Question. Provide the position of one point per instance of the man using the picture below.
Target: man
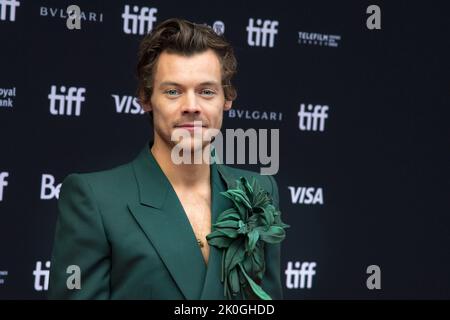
(139, 231)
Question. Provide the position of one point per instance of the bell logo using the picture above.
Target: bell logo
(48, 189)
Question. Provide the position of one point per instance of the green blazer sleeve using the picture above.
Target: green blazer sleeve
(271, 282)
(80, 240)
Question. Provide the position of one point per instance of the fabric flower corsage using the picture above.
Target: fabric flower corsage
(241, 231)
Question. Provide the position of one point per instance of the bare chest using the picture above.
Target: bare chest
(198, 212)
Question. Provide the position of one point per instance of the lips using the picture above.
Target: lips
(189, 125)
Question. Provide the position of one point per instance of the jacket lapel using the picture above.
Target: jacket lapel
(161, 216)
(213, 287)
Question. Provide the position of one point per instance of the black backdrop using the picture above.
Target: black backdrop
(381, 162)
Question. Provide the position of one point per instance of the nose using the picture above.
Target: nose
(190, 103)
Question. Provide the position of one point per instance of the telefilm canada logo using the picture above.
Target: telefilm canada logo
(318, 39)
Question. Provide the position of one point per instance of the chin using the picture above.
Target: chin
(192, 144)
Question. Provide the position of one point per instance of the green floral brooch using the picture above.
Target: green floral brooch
(242, 231)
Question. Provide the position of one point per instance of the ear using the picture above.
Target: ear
(146, 106)
(228, 104)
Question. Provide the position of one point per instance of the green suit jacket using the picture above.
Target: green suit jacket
(127, 231)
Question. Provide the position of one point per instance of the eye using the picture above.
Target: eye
(171, 92)
(208, 92)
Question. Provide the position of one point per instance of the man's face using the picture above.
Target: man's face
(187, 89)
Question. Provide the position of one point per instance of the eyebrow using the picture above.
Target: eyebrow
(205, 83)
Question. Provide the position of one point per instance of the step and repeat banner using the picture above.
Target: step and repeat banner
(359, 91)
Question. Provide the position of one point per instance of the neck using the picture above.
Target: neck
(180, 175)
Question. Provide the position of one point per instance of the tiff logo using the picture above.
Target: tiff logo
(301, 276)
(48, 188)
(312, 118)
(73, 95)
(257, 35)
(304, 195)
(127, 104)
(40, 273)
(3, 183)
(12, 5)
(144, 20)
